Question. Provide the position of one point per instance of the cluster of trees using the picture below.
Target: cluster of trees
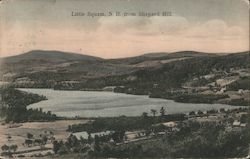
(242, 83)
(13, 115)
(9, 150)
(209, 140)
(239, 102)
(194, 139)
(200, 98)
(113, 124)
(15, 107)
(39, 141)
(185, 97)
(124, 123)
(72, 145)
(89, 146)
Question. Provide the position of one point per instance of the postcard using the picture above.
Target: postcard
(124, 79)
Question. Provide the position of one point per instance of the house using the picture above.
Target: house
(130, 135)
(155, 85)
(85, 135)
(211, 84)
(209, 76)
(240, 91)
(236, 123)
(109, 88)
(226, 81)
(170, 124)
(207, 92)
(243, 125)
(161, 133)
(222, 90)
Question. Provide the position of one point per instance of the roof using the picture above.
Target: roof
(243, 125)
(170, 124)
(85, 135)
(236, 123)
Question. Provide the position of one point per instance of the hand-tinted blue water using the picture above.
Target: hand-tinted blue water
(103, 104)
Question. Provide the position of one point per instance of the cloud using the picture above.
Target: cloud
(129, 36)
(246, 1)
(169, 26)
(143, 25)
(216, 29)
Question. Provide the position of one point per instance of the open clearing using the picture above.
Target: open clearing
(18, 132)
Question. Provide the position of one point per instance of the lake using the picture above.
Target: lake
(103, 104)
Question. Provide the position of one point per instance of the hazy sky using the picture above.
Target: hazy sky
(200, 25)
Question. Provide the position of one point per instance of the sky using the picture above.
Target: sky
(213, 26)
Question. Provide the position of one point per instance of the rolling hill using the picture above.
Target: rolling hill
(46, 68)
(52, 56)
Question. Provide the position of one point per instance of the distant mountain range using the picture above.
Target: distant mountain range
(53, 56)
(51, 67)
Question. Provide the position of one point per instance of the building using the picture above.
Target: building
(236, 123)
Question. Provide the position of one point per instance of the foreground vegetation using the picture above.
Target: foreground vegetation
(188, 139)
(194, 140)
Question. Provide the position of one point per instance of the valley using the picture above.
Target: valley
(64, 105)
(155, 74)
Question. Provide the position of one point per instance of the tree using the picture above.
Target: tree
(118, 136)
(144, 115)
(44, 141)
(51, 133)
(5, 148)
(97, 145)
(200, 112)
(222, 110)
(74, 140)
(13, 147)
(162, 111)
(38, 141)
(8, 137)
(28, 142)
(56, 146)
(192, 113)
(49, 113)
(29, 136)
(154, 112)
(89, 138)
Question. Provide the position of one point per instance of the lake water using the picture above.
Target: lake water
(103, 104)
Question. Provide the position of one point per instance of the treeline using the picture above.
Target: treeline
(187, 97)
(239, 102)
(15, 104)
(124, 123)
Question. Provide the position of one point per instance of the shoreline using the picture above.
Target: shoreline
(187, 107)
(147, 95)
